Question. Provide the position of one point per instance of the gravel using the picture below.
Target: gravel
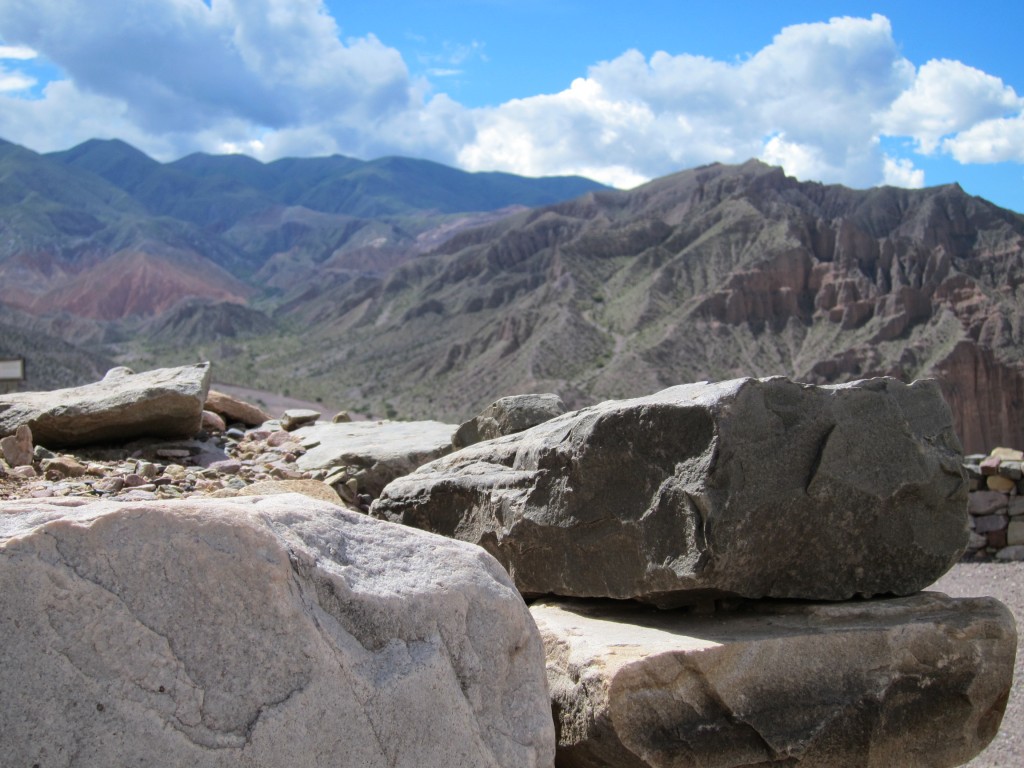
(1005, 582)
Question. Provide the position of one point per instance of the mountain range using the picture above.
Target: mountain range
(401, 287)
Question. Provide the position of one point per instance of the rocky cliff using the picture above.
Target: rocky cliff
(712, 273)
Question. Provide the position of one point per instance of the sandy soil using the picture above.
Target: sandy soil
(1005, 582)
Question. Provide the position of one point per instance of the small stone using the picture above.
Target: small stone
(1011, 554)
(1007, 454)
(96, 469)
(989, 523)
(1016, 506)
(1015, 533)
(63, 466)
(40, 453)
(17, 448)
(25, 471)
(227, 467)
(1010, 469)
(146, 469)
(134, 481)
(986, 502)
(109, 484)
(294, 418)
(341, 417)
(212, 422)
(1000, 484)
(990, 465)
(175, 471)
(41, 493)
(235, 433)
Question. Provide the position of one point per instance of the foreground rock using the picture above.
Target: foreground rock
(166, 402)
(506, 416)
(919, 682)
(373, 453)
(259, 632)
(752, 487)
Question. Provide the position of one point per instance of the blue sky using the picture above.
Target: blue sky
(907, 93)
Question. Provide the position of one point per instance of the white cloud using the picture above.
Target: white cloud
(991, 141)
(808, 100)
(274, 78)
(946, 97)
(19, 52)
(15, 81)
(900, 172)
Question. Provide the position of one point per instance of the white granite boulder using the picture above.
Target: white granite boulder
(259, 632)
(752, 488)
(913, 682)
(165, 402)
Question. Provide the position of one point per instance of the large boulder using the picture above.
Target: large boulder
(166, 402)
(506, 416)
(914, 682)
(376, 452)
(752, 487)
(259, 632)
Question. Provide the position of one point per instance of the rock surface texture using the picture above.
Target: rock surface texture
(166, 402)
(914, 682)
(375, 452)
(259, 632)
(508, 415)
(752, 487)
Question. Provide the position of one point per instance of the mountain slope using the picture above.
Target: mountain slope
(712, 273)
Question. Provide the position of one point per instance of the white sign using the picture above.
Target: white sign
(12, 370)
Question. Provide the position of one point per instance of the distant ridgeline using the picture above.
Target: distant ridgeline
(402, 286)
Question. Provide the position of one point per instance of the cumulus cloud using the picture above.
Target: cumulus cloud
(900, 172)
(276, 77)
(991, 141)
(808, 100)
(947, 97)
(178, 69)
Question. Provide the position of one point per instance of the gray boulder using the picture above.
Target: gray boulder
(375, 452)
(506, 416)
(752, 487)
(259, 632)
(166, 402)
(914, 682)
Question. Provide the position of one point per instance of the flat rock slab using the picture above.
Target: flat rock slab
(379, 451)
(753, 487)
(166, 402)
(914, 682)
(259, 632)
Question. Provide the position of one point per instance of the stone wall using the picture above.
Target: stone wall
(996, 504)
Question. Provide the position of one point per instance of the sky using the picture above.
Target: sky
(904, 93)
